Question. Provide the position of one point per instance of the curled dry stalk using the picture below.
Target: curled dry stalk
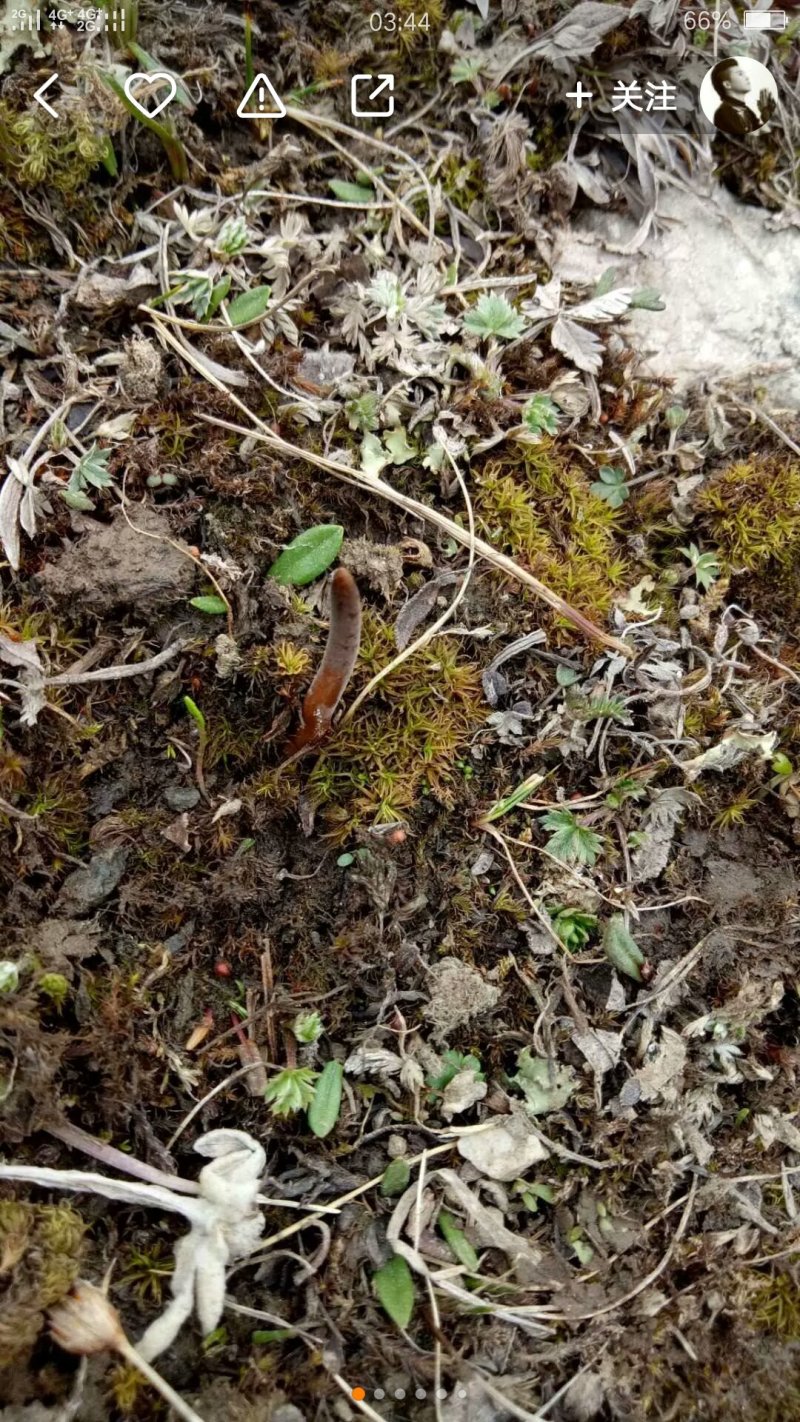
(375, 485)
(85, 1322)
(431, 632)
(317, 122)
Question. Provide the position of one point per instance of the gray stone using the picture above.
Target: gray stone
(182, 797)
(116, 565)
(85, 888)
(728, 276)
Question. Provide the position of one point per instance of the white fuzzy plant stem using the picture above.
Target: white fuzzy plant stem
(226, 1225)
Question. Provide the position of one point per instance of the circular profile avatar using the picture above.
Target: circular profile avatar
(738, 96)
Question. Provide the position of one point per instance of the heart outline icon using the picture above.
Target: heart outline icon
(159, 76)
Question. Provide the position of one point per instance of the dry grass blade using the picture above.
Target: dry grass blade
(427, 636)
(385, 491)
(320, 122)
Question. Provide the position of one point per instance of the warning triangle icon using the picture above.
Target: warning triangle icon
(261, 101)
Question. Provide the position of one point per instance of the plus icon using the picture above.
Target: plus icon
(579, 94)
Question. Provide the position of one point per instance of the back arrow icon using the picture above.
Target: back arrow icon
(41, 90)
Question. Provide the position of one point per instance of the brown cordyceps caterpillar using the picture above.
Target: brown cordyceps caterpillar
(336, 667)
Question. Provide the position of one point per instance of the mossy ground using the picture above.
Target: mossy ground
(751, 509)
(40, 1253)
(539, 507)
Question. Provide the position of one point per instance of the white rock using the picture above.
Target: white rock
(729, 282)
(505, 1150)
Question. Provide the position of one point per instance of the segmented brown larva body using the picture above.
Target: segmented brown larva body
(336, 667)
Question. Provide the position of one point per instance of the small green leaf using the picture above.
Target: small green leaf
(456, 1239)
(705, 566)
(581, 1246)
(598, 708)
(398, 446)
(621, 949)
(195, 291)
(676, 416)
(323, 1113)
(350, 192)
(647, 298)
(395, 1177)
(77, 500)
(291, 1090)
(434, 458)
(249, 306)
(454, 1062)
(466, 69)
(362, 411)
(532, 1194)
(374, 457)
(195, 712)
(607, 281)
(395, 1289)
(565, 676)
(571, 841)
(308, 555)
(611, 486)
(573, 927)
(233, 236)
(307, 1027)
(93, 469)
(493, 315)
(345, 860)
(781, 765)
(271, 1335)
(213, 1339)
(545, 1086)
(214, 606)
(540, 414)
(218, 294)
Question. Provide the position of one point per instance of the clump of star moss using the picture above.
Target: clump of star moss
(540, 508)
(408, 742)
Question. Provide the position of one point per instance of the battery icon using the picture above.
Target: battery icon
(765, 19)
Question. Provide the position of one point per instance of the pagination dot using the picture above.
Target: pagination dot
(399, 1393)
(441, 1393)
(421, 1394)
(378, 1394)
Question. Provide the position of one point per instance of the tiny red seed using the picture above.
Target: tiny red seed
(223, 969)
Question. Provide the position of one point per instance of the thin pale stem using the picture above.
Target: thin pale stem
(176, 1402)
(449, 612)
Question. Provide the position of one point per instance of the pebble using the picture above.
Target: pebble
(182, 797)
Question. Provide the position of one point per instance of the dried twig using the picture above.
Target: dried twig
(358, 479)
